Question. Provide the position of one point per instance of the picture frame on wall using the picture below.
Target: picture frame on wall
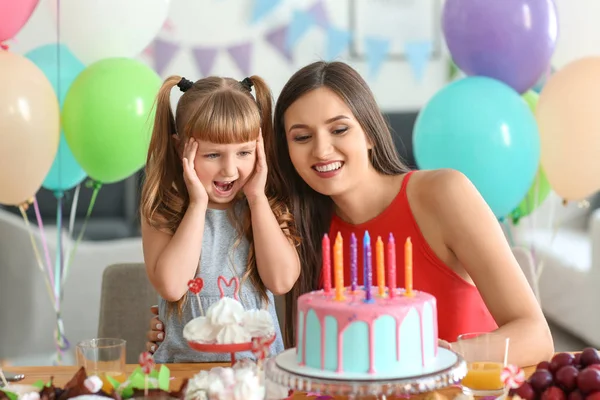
(400, 21)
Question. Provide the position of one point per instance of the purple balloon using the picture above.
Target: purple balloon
(508, 40)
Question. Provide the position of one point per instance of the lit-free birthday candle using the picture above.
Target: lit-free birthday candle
(367, 267)
(408, 267)
(326, 263)
(338, 267)
(353, 262)
(380, 266)
(391, 265)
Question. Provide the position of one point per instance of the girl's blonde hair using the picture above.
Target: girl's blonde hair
(217, 110)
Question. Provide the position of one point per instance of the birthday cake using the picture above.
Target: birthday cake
(368, 329)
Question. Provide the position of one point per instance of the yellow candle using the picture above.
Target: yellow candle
(338, 267)
(408, 267)
(380, 266)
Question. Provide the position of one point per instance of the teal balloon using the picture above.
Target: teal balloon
(61, 68)
(484, 129)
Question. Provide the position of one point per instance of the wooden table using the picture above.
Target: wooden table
(178, 371)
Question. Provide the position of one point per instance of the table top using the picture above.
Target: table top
(62, 374)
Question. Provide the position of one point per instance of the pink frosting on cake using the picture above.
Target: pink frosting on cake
(353, 308)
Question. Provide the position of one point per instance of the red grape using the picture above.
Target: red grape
(577, 359)
(561, 360)
(575, 395)
(566, 377)
(553, 393)
(589, 356)
(588, 380)
(543, 365)
(540, 380)
(525, 391)
(593, 396)
(594, 366)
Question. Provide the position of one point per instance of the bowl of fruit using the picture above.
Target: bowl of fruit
(567, 376)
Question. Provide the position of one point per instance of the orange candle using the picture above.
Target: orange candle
(408, 267)
(338, 267)
(380, 266)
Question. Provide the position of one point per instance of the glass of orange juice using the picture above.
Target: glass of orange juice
(485, 355)
(103, 357)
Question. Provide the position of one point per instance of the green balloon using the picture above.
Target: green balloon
(108, 116)
(531, 98)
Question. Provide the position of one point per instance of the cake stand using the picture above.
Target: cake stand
(448, 369)
(228, 348)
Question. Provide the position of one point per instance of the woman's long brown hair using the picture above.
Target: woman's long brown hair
(313, 211)
(218, 110)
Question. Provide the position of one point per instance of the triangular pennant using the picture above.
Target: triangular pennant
(301, 23)
(262, 8)
(418, 54)
(337, 41)
(319, 13)
(277, 38)
(377, 51)
(242, 54)
(163, 53)
(205, 58)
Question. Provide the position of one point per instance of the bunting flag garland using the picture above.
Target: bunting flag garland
(301, 22)
(337, 41)
(242, 55)
(376, 50)
(418, 53)
(277, 39)
(205, 58)
(261, 8)
(163, 53)
(319, 14)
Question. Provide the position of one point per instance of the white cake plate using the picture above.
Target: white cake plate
(448, 369)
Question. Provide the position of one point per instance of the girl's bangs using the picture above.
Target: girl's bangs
(224, 118)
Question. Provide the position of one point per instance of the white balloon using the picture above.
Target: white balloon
(97, 29)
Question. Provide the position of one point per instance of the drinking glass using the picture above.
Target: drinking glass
(103, 357)
(485, 354)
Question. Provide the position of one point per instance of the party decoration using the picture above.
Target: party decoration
(242, 54)
(418, 53)
(512, 376)
(539, 191)
(353, 263)
(391, 265)
(337, 41)
(509, 40)
(376, 50)
(205, 58)
(108, 117)
(29, 128)
(301, 23)
(319, 13)
(61, 68)
(338, 267)
(380, 266)
(163, 53)
(277, 38)
(408, 267)
(484, 129)
(95, 30)
(569, 122)
(367, 267)
(14, 15)
(262, 8)
(195, 285)
(539, 85)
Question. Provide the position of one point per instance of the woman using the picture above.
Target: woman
(336, 159)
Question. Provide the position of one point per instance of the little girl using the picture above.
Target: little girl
(209, 207)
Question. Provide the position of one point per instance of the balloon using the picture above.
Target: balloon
(484, 129)
(509, 40)
(531, 98)
(13, 16)
(95, 30)
(539, 85)
(569, 121)
(539, 191)
(29, 128)
(65, 173)
(108, 117)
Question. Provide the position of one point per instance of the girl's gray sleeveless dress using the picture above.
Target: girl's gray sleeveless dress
(219, 256)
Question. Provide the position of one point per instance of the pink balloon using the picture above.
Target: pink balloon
(13, 15)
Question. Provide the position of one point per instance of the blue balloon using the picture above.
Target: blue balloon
(484, 129)
(61, 68)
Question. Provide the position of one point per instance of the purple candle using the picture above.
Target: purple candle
(368, 268)
(353, 262)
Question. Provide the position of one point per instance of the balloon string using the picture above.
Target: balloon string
(71, 228)
(58, 262)
(36, 251)
(45, 245)
(97, 186)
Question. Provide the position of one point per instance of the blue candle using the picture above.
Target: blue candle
(367, 267)
(353, 262)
